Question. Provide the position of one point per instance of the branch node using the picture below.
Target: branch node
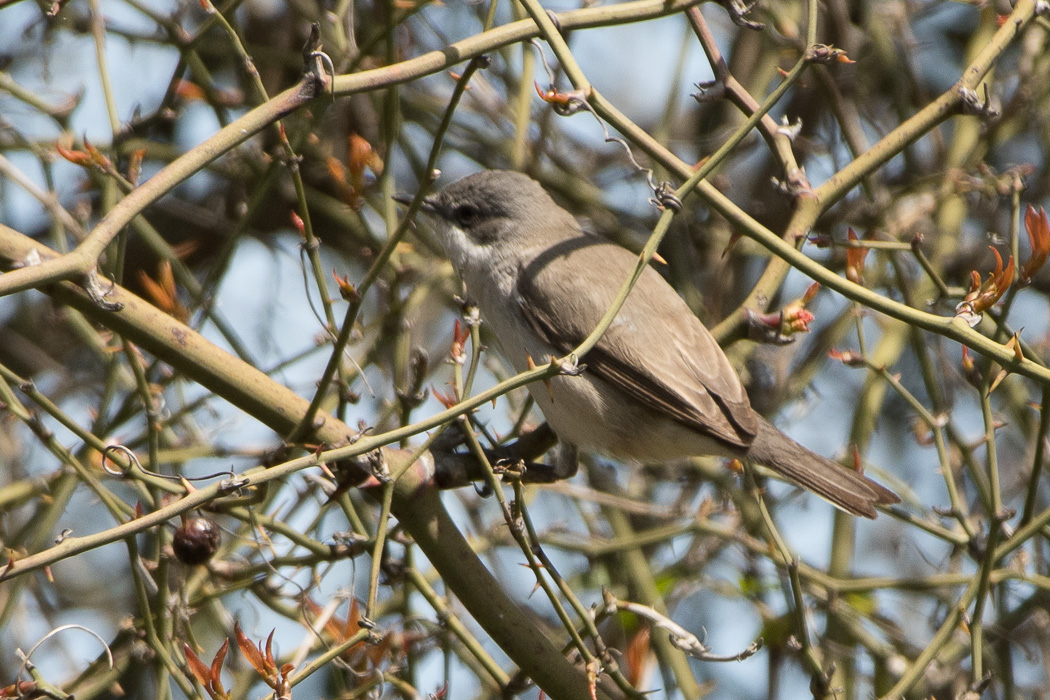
(665, 197)
(711, 91)
(974, 105)
(317, 65)
(738, 12)
(789, 129)
(98, 295)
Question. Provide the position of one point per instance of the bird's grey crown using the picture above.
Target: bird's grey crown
(477, 202)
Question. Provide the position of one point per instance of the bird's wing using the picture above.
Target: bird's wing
(676, 370)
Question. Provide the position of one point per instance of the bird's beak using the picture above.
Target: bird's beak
(427, 206)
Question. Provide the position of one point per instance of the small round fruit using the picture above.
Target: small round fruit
(196, 541)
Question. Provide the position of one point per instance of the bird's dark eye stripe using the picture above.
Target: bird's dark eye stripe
(465, 214)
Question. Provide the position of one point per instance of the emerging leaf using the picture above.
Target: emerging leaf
(1038, 229)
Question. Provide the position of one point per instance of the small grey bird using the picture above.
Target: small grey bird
(656, 386)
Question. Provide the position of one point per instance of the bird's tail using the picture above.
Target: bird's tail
(843, 487)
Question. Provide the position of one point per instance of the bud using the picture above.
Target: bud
(984, 295)
(855, 255)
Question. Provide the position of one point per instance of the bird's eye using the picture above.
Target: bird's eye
(466, 214)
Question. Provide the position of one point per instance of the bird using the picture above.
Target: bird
(656, 386)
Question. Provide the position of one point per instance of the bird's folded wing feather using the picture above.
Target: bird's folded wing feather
(675, 369)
